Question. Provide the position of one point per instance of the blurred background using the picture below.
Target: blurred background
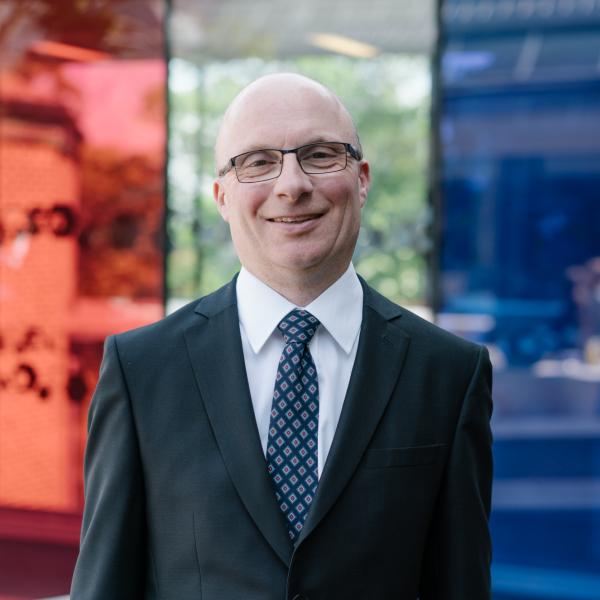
(481, 121)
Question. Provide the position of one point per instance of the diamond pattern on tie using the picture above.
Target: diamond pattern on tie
(293, 429)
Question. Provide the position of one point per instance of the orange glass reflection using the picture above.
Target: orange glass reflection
(82, 199)
(82, 151)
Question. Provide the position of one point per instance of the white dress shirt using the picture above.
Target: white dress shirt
(333, 347)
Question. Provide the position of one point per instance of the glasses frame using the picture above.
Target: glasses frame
(355, 153)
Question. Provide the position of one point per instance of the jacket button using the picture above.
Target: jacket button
(299, 597)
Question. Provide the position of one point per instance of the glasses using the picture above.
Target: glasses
(314, 159)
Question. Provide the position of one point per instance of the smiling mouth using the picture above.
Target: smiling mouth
(299, 219)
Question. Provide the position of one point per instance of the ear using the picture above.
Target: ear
(364, 181)
(219, 196)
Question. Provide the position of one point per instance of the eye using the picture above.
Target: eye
(320, 152)
(257, 159)
(259, 162)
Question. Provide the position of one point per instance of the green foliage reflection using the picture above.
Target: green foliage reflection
(389, 100)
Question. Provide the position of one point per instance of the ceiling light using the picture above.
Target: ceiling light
(343, 45)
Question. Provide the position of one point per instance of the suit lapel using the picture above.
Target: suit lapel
(379, 359)
(215, 350)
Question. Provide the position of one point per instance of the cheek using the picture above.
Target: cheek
(243, 218)
(248, 204)
(347, 203)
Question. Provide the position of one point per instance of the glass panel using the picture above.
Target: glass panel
(82, 146)
(519, 271)
(387, 94)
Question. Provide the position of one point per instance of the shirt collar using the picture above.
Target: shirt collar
(338, 308)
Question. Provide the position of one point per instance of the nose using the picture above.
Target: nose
(293, 183)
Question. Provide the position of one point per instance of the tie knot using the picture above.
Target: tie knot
(298, 326)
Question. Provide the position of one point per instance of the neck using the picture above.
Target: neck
(299, 288)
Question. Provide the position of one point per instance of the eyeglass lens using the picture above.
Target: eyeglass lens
(260, 165)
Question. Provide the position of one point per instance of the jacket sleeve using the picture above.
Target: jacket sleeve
(111, 562)
(458, 553)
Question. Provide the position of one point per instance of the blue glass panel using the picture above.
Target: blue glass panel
(519, 270)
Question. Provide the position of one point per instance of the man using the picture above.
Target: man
(294, 434)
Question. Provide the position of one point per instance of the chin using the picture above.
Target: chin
(316, 268)
(299, 260)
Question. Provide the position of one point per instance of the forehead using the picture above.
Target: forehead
(283, 118)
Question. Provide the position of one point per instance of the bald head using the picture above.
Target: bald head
(279, 100)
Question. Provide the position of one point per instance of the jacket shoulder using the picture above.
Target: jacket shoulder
(419, 329)
(172, 326)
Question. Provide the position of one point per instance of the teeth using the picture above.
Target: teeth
(291, 219)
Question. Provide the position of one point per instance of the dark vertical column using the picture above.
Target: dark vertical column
(166, 241)
(435, 163)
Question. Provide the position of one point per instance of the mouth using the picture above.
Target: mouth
(292, 220)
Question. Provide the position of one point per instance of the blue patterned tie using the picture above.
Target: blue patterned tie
(293, 430)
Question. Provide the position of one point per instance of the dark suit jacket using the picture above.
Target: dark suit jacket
(179, 505)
